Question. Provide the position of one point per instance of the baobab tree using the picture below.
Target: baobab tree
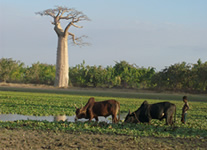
(72, 17)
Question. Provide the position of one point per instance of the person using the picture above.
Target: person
(184, 110)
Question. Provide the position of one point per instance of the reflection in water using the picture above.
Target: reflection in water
(15, 117)
(60, 118)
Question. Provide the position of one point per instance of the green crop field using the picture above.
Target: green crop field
(58, 102)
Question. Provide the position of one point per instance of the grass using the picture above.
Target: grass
(45, 102)
(124, 93)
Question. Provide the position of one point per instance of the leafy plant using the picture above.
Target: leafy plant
(45, 104)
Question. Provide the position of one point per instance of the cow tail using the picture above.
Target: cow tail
(118, 111)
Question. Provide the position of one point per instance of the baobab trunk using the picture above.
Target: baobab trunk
(73, 16)
(62, 70)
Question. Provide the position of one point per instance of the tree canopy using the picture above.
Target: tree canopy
(72, 16)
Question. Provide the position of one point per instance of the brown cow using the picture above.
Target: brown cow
(94, 109)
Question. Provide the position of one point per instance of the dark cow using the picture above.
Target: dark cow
(147, 112)
(94, 109)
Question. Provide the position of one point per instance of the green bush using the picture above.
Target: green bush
(180, 76)
(11, 70)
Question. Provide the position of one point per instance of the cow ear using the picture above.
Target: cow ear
(129, 112)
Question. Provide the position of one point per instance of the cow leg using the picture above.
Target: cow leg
(168, 119)
(91, 117)
(96, 119)
(114, 120)
(149, 121)
(169, 116)
(171, 119)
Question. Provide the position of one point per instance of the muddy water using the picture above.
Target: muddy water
(15, 117)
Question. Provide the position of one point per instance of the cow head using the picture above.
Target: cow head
(80, 113)
(131, 118)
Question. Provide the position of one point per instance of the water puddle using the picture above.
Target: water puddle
(15, 117)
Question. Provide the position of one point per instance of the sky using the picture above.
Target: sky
(148, 33)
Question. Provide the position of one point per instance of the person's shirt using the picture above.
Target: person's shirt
(185, 107)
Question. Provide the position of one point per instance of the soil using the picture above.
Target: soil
(37, 139)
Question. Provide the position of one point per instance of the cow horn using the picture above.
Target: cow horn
(129, 112)
(75, 106)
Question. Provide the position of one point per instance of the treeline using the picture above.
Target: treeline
(180, 76)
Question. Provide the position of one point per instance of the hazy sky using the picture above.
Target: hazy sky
(149, 33)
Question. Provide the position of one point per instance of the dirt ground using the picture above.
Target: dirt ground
(32, 139)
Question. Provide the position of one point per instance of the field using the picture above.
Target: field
(91, 135)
